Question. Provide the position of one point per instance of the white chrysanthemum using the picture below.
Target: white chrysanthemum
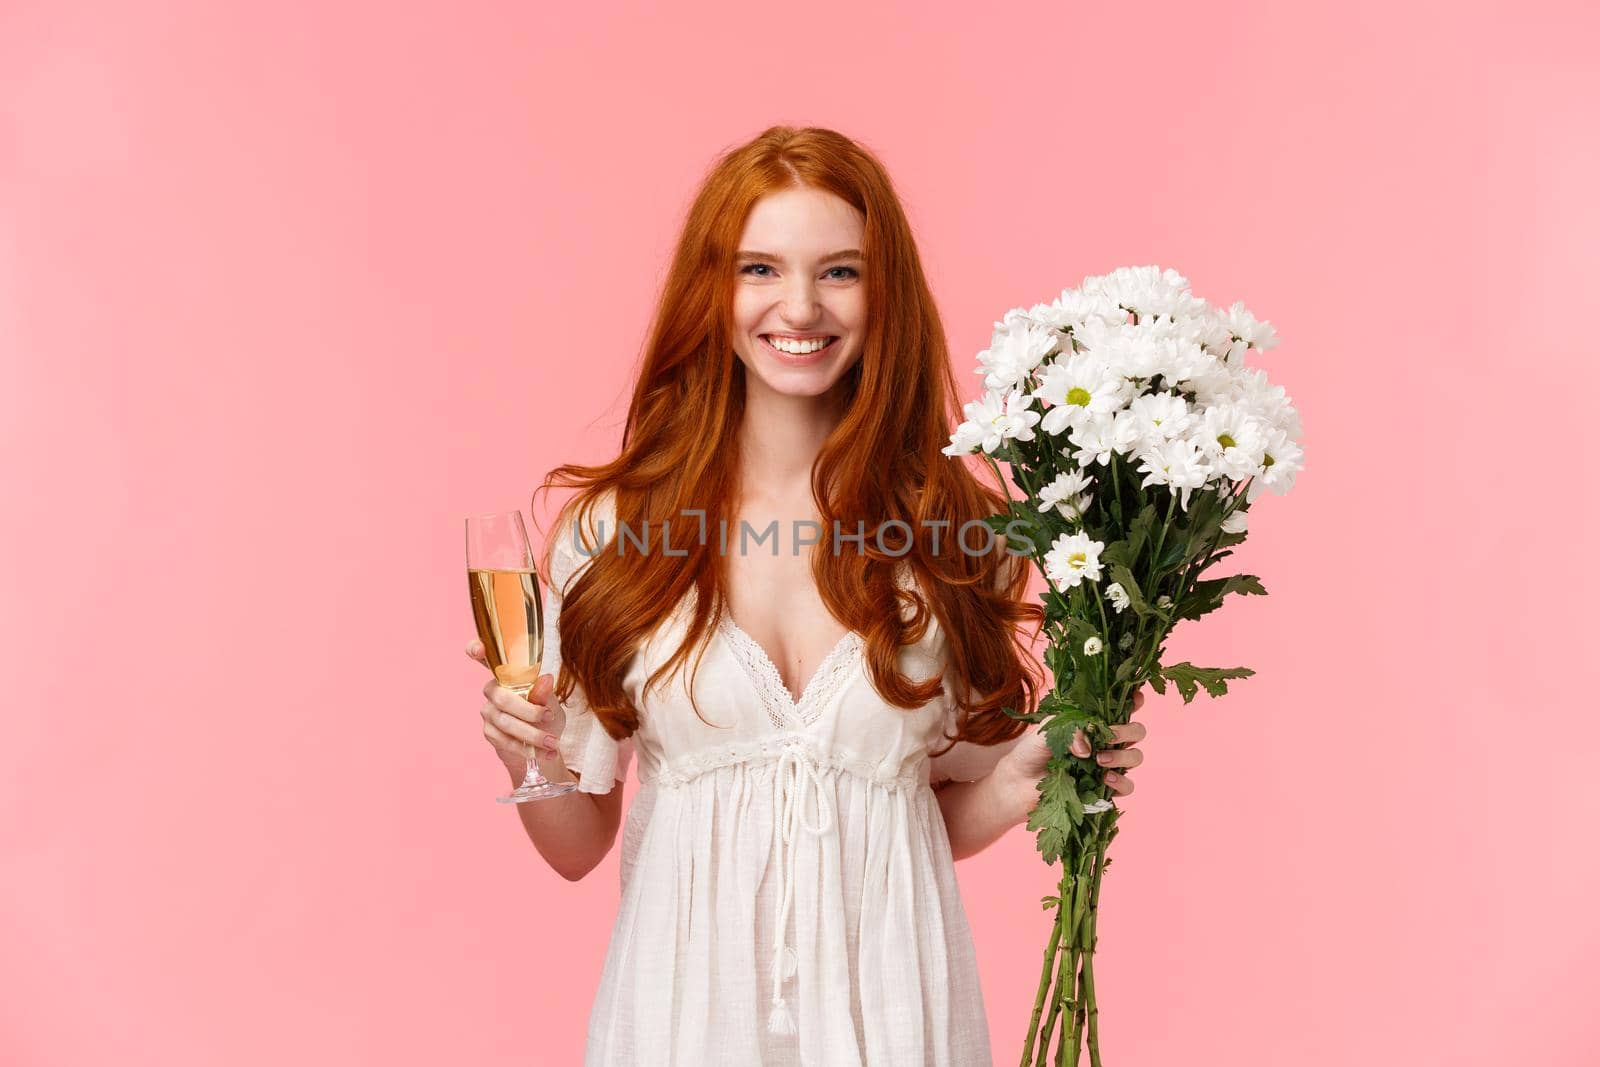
(1012, 315)
(1074, 309)
(1269, 403)
(1067, 493)
(1119, 598)
(1284, 459)
(1179, 361)
(1163, 602)
(1016, 348)
(1094, 807)
(1072, 558)
(1094, 357)
(1232, 440)
(1125, 350)
(1130, 434)
(1211, 332)
(1003, 417)
(1076, 387)
(1093, 646)
(1147, 291)
(1236, 522)
(1093, 440)
(1178, 464)
(1073, 508)
(1212, 384)
(1162, 416)
(966, 439)
(1244, 326)
(991, 419)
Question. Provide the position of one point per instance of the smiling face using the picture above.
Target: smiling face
(799, 300)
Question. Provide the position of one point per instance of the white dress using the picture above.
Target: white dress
(809, 824)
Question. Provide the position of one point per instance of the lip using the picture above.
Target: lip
(799, 361)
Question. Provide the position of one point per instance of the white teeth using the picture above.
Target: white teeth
(797, 348)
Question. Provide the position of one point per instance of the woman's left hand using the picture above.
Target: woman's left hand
(1025, 764)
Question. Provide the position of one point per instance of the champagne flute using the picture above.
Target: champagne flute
(508, 610)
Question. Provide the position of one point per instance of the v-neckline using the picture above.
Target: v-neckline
(769, 679)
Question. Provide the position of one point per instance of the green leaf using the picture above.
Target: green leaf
(1059, 730)
(1116, 552)
(1053, 818)
(1188, 678)
(1033, 716)
(1031, 530)
(1139, 532)
(1176, 551)
(1084, 691)
(1074, 805)
(1206, 596)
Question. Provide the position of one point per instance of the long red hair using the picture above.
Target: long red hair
(679, 453)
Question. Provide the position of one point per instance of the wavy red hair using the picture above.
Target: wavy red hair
(679, 453)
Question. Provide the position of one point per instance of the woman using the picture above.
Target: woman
(788, 885)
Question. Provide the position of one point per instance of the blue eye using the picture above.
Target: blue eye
(748, 268)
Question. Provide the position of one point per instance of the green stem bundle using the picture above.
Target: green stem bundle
(1159, 555)
(1066, 992)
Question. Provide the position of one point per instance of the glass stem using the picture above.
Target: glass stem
(534, 776)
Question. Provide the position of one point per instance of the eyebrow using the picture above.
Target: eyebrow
(849, 253)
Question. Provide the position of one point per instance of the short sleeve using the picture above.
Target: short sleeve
(599, 760)
(966, 761)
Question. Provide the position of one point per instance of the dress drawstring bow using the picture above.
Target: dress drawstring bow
(796, 777)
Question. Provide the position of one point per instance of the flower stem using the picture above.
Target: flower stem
(1080, 907)
(1116, 495)
(1066, 987)
(1161, 539)
(1044, 980)
(1067, 957)
(1105, 630)
(1043, 1056)
(1091, 937)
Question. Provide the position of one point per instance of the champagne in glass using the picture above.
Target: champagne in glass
(509, 613)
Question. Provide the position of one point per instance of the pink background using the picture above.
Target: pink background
(287, 290)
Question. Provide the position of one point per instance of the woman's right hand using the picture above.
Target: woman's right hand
(511, 723)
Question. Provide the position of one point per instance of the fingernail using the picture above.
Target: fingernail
(1104, 758)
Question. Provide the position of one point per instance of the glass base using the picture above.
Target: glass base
(538, 792)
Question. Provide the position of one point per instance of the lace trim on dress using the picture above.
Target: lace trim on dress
(784, 711)
(684, 769)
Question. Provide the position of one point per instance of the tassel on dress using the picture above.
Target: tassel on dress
(780, 1021)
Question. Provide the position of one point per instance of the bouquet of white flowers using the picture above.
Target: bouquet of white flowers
(1154, 439)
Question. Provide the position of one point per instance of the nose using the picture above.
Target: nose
(799, 307)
